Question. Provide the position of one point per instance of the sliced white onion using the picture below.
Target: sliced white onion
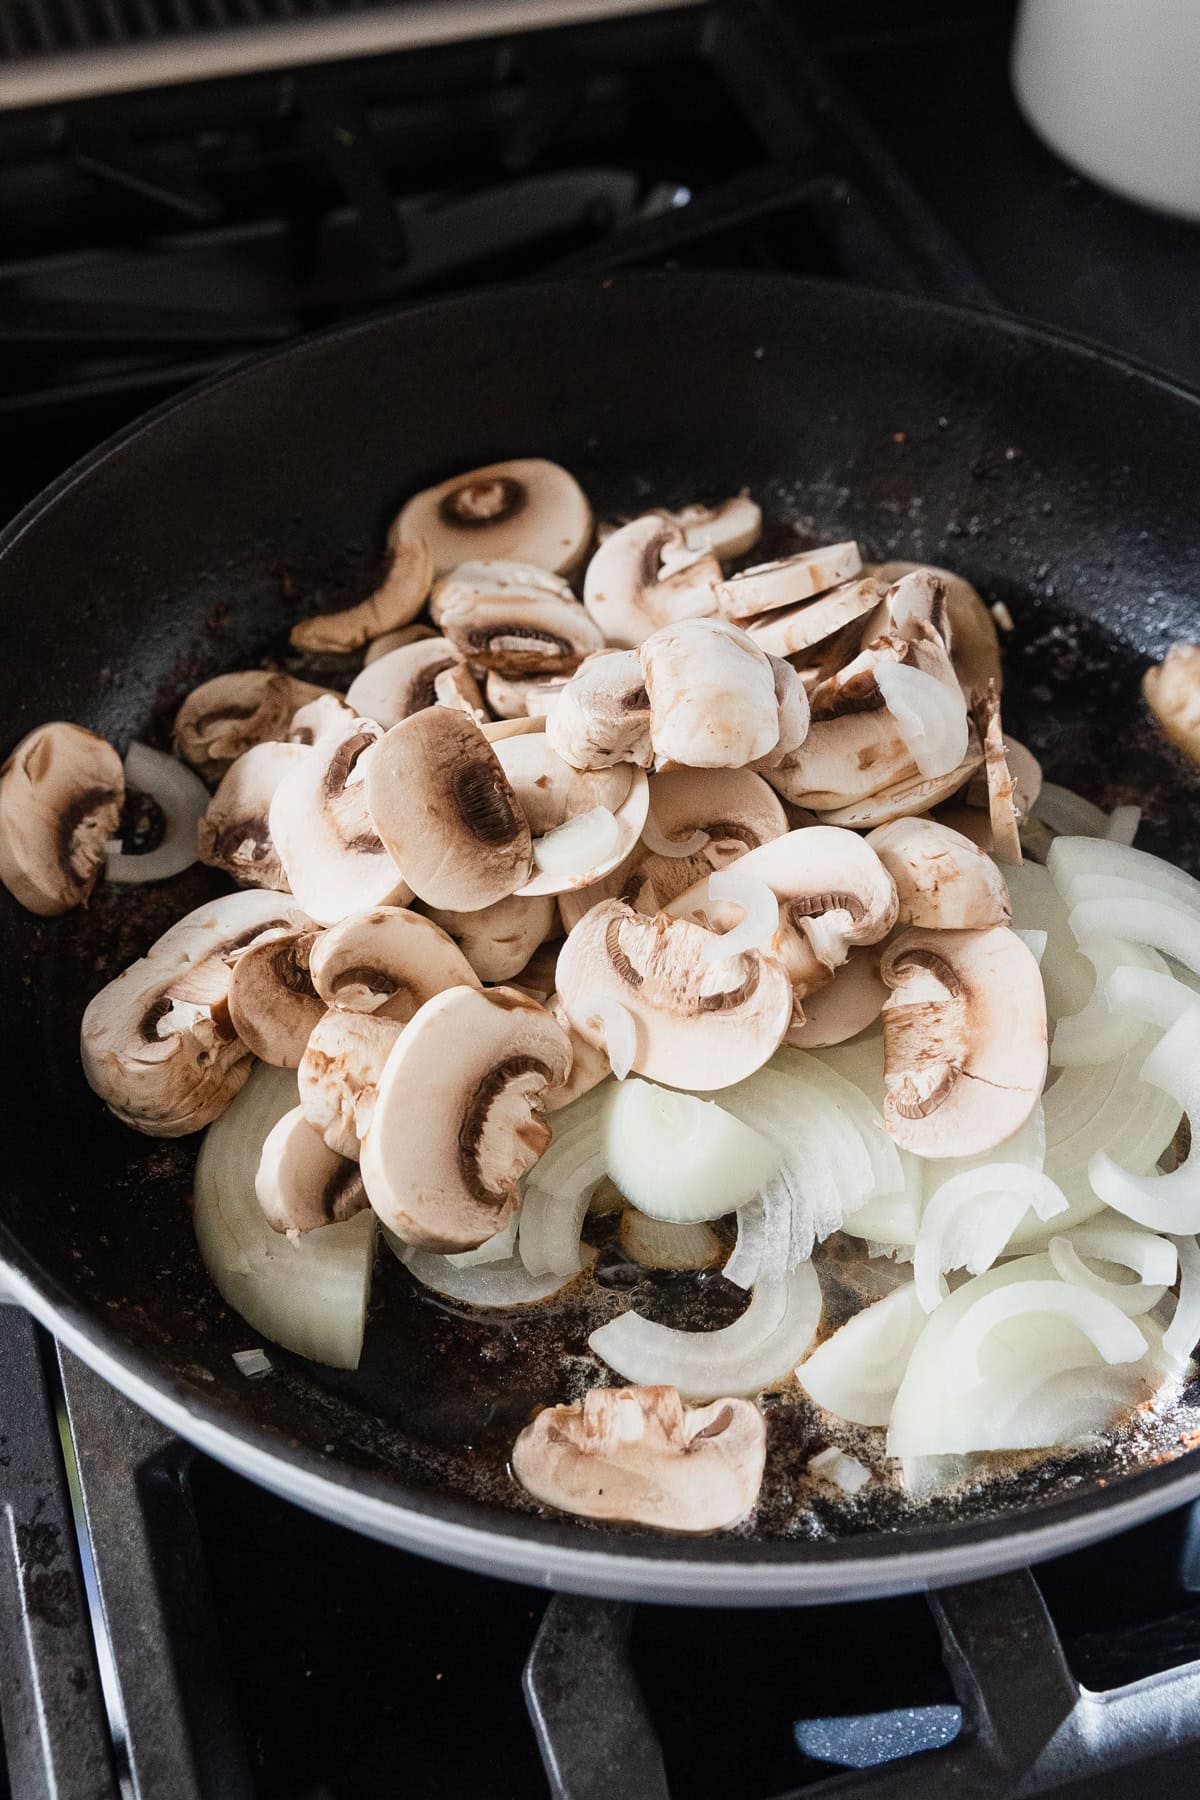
(764, 1237)
(1112, 1332)
(658, 1245)
(501, 1248)
(1035, 942)
(662, 845)
(183, 800)
(759, 1350)
(1122, 826)
(760, 908)
(620, 1034)
(844, 1471)
(930, 716)
(498, 1284)
(1148, 994)
(1182, 1334)
(582, 844)
(1086, 868)
(890, 1215)
(1158, 923)
(1038, 906)
(970, 1219)
(1068, 813)
(311, 1295)
(857, 1372)
(1152, 1259)
(679, 1158)
(1163, 1202)
(1098, 1033)
(552, 1218)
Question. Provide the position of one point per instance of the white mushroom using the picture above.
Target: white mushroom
(794, 579)
(974, 644)
(498, 941)
(459, 1116)
(339, 1073)
(515, 618)
(523, 696)
(334, 860)
(527, 509)
(712, 696)
(608, 806)
(1003, 814)
(61, 793)
(645, 577)
(602, 715)
(272, 1003)
(395, 686)
(964, 1035)
(387, 962)
(442, 804)
(317, 719)
(903, 799)
(796, 628)
(235, 832)
(394, 603)
(223, 718)
(589, 1065)
(727, 527)
(944, 882)
(847, 1004)
(1172, 691)
(301, 1184)
(793, 712)
(639, 1455)
(457, 687)
(396, 640)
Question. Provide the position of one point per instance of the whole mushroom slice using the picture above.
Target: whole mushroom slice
(235, 832)
(788, 582)
(700, 821)
(334, 860)
(638, 1455)
(514, 618)
(844, 1007)
(498, 941)
(793, 629)
(712, 696)
(339, 1073)
(645, 577)
(442, 804)
(584, 822)
(974, 641)
(697, 1023)
(165, 1063)
(223, 718)
(729, 528)
(403, 682)
(396, 640)
(386, 962)
(1172, 692)
(944, 882)
(61, 793)
(459, 1116)
(301, 1184)
(272, 1003)
(318, 719)
(602, 715)
(397, 600)
(964, 1033)
(903, 799)
(527, 509)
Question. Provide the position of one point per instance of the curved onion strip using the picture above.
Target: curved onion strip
(891, 1215)
(1152, 1259)
(620, 1035)
(500, 1248)
(971, 1218)
(930, 716)
(1110, 1330)
(183, 799)
(661, 845)
(764, 1237)
(758, 1350)
(1098, 1033)
(680, 1158)
(1163, 1202)
(552, 1220)
(1148, 994)
(657, 1245)
(1038, 906)
(582, 844)
(309, 1296)
(1068, 813)
(857, 1372)
(760, 909)
(488, 1285)
(845, 1472)
(1181, 1335)
(576, 1133)
(1158, 923)
(1035, 942)
(1123, 822)
(1084, 865)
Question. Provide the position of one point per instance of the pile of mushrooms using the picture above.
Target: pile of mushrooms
(656, 813)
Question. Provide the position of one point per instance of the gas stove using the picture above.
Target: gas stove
(166, 1630)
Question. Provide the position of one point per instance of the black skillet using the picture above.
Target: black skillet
(1058, 478)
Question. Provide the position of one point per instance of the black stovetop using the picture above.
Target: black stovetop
(246, 1649)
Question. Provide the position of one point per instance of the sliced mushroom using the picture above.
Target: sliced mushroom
(523, 696)
(969, 812)
(792, 710)
(223, 718)
(498, 941)
(728, 527)
(333, 858)
(403, 682)
(846, 1005)
(915, 599)
(394, 603)
(974, 643)
(61, 793)
(602, 715)
(640, 1456)
(442, 804)
(235, 832)
(794, 579)
(1172, 691)
(396, 640)
(496, 730)
(944, 882)
(387, 962)
(712, 696)
(552, 795)
(1003, 815)
(272, 1002)
(460, 1116)
(339, 1073)
(527, 509)
(797, 628)
(301, 1184)
(515, 618)
(158, 1044)
(645, 577)
(319, 718)
(589, 1066)
(964, 1034)
(904, 799)
(457, 687)
(698, 1024)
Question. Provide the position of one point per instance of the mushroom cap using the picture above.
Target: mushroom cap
(845, 1006)
(272, 1003)
(386, 962)
(1172, 692)
(726, 527)
(794, 712)
(800, 627)
(497, 941)
(697, 1024)
(223, 718)
(526, 508)
(638, 1455)
(301, 1184)
(397, 600)
(61, 794)
(395, 686)
(514, 618)
(972, 636)
(396, 640)
(791, 580)
(944, 882)
(459, 1115)
(712, 696)
(235, 832)
(334, 861)
(339, 1073)
(903, 799)
(964, 1035)
(157, 1044)
(602, 715)
(443, 805)
(317, 719)
(644, 577)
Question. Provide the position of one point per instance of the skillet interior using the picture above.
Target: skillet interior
(1057, 479)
